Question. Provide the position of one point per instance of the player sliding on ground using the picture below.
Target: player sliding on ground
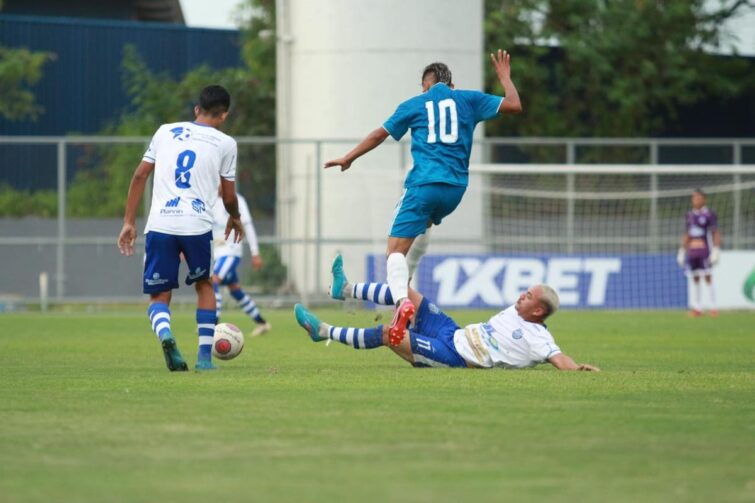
(515, 338)
(190, 161)
(442, 120)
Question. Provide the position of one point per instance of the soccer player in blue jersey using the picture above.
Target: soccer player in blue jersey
(442, 120)
(190, 161)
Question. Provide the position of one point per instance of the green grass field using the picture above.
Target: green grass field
(89, 413)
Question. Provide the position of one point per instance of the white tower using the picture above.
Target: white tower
(343, 67)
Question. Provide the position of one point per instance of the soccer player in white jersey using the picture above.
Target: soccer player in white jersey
(190, 161)
(442, 121)
(227, 258)
(515, 338)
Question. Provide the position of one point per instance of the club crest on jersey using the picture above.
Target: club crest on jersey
(181, 133)
(198, 205)
(517, 334)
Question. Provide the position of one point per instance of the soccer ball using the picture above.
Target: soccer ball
(227, 342)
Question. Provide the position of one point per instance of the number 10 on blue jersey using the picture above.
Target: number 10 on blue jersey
(448, 117)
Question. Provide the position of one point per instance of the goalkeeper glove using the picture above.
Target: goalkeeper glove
(715, 255)
(681, 255)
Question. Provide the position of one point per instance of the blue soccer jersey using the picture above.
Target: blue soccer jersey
(442, 121)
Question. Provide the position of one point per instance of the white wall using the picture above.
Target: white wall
(343, 67)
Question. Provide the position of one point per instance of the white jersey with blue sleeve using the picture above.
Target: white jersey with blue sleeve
(506, 341)
(442, 121)
(225, 248)
(189, 161)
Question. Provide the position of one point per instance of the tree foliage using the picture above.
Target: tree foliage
(102, 181)
(610, 69)
(20, 69)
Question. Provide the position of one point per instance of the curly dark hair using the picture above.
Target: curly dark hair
(440, 71)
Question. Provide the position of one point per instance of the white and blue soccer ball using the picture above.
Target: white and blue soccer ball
(227, 342)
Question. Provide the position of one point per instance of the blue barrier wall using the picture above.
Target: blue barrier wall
(583, 281)
(81, 89)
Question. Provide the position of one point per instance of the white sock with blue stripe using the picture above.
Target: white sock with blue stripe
(206, 321)
(159, 316)
(357, 338)
(379, 293)
(218, 300)
(247, 305)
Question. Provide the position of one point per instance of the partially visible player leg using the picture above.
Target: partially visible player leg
(694, 301)
(160, 277)
(218, 296)
(357, 338)
(711, 306)
(198, 253)
(398, 282)
(340, 288)
(250, 308)
(206, 321)
(417, 251)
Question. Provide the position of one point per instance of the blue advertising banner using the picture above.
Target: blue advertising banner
(583, 281)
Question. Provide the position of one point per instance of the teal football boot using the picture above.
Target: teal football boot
(173, 358)
(308, 322)
(339, 279)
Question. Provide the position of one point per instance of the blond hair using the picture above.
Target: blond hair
(549, 299)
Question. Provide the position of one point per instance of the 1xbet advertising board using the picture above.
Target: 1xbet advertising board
(587, 282)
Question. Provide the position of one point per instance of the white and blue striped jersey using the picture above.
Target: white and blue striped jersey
(507, 341)
(221, 246)
(189, 160)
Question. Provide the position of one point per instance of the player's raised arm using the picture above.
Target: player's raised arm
(502, 64)
(372, 140)
(564, 362)
(127, 236)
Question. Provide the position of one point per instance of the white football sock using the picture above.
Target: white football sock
(694, 301)
(398, 276)
(711, 304)
(417, 251)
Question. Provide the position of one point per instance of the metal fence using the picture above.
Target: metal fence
(73, 187)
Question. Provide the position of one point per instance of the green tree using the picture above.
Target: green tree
(610, 69)
(20, 68)
(102, 180)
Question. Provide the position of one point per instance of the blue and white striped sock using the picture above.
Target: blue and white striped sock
(379, 293)
(218, 300)
(358, 338)
(206, 321)
(159, 316)
(247, 305)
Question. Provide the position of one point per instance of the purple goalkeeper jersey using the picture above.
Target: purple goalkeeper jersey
(700, 227)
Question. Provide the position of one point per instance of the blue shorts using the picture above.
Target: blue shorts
(432, 338)
(225, 269)
(164, 256)
(422, 205)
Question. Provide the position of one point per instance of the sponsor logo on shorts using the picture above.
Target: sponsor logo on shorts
(181, 133)
(198, 272)
(433, 308)
(198, 205)
(156, 280)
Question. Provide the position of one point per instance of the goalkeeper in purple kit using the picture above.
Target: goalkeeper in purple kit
(700, 250)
